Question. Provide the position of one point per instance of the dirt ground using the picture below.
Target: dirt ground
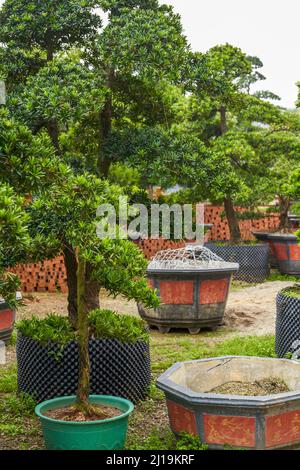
(253, 309)
(250, 310)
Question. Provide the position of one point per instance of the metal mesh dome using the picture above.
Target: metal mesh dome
(192, 257)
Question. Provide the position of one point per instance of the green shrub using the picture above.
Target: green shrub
(293, 291)
(104, 324)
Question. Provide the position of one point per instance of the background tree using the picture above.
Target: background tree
(226, 114)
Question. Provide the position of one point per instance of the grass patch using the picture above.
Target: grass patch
(8, 379)
(261, 346)
(276, 276)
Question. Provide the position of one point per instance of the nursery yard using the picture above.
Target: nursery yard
(250, 312)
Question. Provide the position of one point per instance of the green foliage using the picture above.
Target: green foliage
(103, 324)
(276, 276)
(53, 328)
(13, 240)
(8, 379)
(69, 217)
(27, 161)
(50, 26)
(293, 292)
(168, 441)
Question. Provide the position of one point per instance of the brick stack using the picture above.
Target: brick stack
(50, 275)
(220, 230)
(47, 276)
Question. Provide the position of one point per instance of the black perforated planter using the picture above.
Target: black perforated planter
(252, 259)
(263, 237)
(117, 369)
(287, 323)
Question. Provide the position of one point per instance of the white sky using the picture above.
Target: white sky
(268, 29)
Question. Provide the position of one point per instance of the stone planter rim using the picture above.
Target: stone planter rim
(202, 398)
(282, 236)
(232, 268)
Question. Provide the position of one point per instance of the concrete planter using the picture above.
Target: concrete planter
(250, 422)
(287, 251)
(7, 320)
(252, 259)
(190, 299)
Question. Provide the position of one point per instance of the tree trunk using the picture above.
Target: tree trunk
(284, 212)
(92, 288)
(234, 229)
(83, 389)
(223, 120)
(233, 223)
(53, 132)
(71, 270)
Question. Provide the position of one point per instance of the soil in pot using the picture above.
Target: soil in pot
(268, 386)
(71, 413)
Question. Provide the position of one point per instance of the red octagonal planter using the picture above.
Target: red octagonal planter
(250, 422)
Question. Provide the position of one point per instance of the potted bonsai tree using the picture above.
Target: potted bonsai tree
(116, 264)
(117, 367)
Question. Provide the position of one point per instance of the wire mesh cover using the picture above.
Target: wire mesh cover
(192, 257)
(287, 324)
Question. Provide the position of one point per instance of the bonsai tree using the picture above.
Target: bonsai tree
(221, 80)
(68, 219)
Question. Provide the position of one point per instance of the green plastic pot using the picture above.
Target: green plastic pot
(107, 434)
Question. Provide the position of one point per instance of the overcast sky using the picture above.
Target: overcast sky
(268, 29)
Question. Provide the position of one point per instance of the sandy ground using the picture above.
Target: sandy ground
(253, 309)
(249, 309)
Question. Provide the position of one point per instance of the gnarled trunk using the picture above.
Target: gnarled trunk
(92, 288)
(234, 228)
(284, 212)
(83, 389)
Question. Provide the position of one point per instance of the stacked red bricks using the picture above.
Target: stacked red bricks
(50, 275)
(47, 276)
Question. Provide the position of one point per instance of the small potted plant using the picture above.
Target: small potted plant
(85, 422)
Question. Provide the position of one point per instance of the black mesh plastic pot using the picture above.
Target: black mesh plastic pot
(117, 369)
(253, 260)
(263, 237)
(287, 323)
